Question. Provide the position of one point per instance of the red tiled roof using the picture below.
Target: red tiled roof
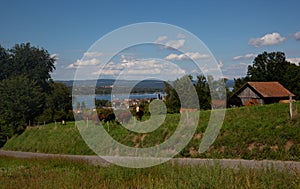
(270, 89)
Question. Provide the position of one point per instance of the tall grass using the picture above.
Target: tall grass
(62, 173)
(259, 132)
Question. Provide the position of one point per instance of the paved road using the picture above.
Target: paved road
(232, 163)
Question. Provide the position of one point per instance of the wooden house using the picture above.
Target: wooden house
(257, 93)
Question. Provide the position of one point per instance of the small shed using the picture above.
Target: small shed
(257, 93)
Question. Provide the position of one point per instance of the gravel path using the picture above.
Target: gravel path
(231, 163)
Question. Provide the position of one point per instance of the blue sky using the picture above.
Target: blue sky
(234, 31)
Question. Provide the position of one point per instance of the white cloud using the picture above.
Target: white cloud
(92, 54)
(142, 68)
(186, 56)
(245, 57)
(83, 63)
(176, 44)
(294, 60)
(161, 39)
(90, 59)
(297, 36)
(268, 39)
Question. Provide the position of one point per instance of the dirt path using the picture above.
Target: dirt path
(231, 163)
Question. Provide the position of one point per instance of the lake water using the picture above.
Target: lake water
(89, 99)
(124, 96)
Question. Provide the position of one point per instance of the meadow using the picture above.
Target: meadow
(62, 173)
(261, 132)
(258, 132)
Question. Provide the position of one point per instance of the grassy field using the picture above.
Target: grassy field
(62, 173)
(260, 132)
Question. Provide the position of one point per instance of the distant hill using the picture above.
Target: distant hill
(145, 84)
(110, 82)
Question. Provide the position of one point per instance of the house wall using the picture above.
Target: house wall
(247, 94)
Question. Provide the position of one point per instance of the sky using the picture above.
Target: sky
(234, 32)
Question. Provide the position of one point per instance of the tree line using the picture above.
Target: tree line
(266, 67)
(28, 94)
(202, 87)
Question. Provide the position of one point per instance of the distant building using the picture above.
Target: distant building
(257, 93)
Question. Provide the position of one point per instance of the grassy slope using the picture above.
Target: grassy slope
(262, 132)
(60, 173)
(50, 139)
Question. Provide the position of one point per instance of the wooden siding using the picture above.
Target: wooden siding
(247, 94)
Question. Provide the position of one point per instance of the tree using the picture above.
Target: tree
(21, 100)
(203, 92)
(172, 99)
(182, 86)
(291, 80)
(187, 92)
(34, 63)
(58, 104)
(24, 84)
(4, 63)
(268, 67)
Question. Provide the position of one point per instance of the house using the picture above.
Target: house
(257, 93)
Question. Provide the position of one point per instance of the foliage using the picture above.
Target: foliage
(100, 103)
(64, 173)
(182, 86)
(25, 83)
(36, 64)
(268, 67)
(203, 92)
(58, 104)
(21, 101)
(172, 99)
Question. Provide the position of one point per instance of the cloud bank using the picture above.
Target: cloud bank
(245, 57)
(267, 40)
(187, 56)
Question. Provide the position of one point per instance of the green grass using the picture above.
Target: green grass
(260, 132)
(50, 139)
(62, 173)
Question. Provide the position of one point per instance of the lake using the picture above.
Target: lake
(89, 99)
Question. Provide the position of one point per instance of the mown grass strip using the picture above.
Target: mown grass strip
(62, 173)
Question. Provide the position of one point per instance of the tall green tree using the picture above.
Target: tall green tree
(21, 100)
(35, 63)
(291, 80)
(24, 84)
(58, 104)
(268, 67)
(172, 99)
(4, 63)
(203, 92)
(182, 86)
(23, 59)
